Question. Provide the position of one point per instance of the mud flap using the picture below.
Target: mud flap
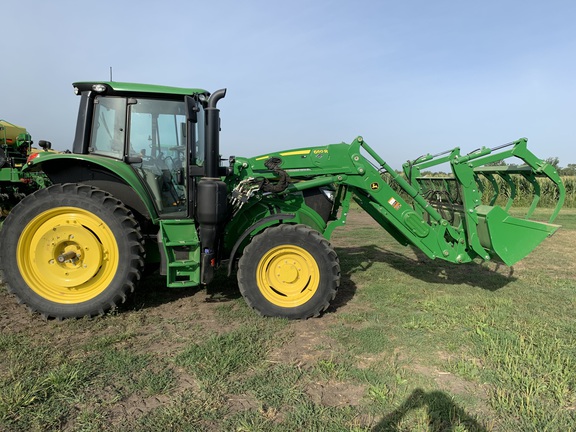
(510, 238)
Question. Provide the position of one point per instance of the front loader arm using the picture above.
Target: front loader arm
(458, 229)
(353, 176)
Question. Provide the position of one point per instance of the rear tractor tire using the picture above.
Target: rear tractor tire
(289, 271)
(71, 251)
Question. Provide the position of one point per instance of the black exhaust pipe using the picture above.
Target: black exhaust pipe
(212, 200)
(212, 156)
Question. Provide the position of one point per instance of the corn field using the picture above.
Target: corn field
(570, 184)
(524, 191)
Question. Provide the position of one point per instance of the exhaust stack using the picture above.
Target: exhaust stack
(212, 202)
(212, 157)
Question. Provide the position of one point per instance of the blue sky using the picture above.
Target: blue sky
(411, 77)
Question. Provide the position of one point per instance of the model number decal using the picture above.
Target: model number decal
(320, 151)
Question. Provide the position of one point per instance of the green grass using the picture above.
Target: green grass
(410, 344)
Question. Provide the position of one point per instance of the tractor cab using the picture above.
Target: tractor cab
(158, 133)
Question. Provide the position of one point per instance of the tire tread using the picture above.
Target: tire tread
(129, 226)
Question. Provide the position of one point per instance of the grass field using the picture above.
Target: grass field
(410, 345)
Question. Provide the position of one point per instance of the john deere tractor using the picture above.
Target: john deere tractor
(144, 188)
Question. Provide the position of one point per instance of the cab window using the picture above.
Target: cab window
(109, 134)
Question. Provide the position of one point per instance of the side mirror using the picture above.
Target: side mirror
(46, 145)
(133, 160)
(191, 109)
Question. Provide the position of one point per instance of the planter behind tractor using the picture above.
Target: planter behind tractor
(15, 147)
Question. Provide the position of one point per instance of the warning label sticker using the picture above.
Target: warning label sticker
(394, 203)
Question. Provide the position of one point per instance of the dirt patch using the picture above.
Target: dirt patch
(444, 380)
(137, 405)
(336, 394)
(309, 344)
(14, 318)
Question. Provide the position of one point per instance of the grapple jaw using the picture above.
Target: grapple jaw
(478, 197)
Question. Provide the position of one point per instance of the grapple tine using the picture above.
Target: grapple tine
(531, 178)
(512, 187)
(495, 188)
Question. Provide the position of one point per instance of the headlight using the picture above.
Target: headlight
(99, 88)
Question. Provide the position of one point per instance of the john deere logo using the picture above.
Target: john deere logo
(374, 186)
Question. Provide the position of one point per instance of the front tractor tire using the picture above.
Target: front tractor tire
(289, 271)
(71, 251)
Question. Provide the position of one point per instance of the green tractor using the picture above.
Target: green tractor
(144, 188)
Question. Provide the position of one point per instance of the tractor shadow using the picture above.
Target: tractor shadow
(443, 414)
(488, 276)
(152, 291)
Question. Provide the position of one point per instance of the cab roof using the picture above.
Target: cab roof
(131, 88)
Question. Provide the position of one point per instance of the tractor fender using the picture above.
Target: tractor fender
(114, 177)
(251, 229)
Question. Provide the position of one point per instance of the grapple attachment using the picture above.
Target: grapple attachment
(478, 198)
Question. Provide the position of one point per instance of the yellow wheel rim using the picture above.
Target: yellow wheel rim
(67, 255)
(288, 276)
